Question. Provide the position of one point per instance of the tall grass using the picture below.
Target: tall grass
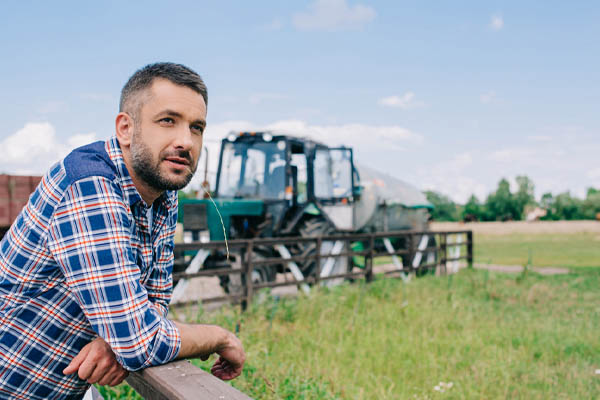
(473, 335)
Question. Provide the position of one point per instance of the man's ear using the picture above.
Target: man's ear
(124, 127)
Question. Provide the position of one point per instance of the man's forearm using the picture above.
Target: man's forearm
(201, 340)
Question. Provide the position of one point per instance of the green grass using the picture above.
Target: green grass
(547, 250)
(490, 335)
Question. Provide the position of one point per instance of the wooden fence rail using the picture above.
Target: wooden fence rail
(373, 248)
(181, 380)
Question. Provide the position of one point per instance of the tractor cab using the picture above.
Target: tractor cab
(268, 185)
(259, 165)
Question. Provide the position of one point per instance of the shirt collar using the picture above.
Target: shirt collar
(113, 148)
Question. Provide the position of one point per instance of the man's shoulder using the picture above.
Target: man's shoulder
(89, 160)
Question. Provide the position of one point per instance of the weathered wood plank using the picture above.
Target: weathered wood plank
(181, 380)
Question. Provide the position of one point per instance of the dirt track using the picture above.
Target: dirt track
(536, 227)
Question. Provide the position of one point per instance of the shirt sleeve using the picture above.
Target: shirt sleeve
(160, 281)
(89, 238)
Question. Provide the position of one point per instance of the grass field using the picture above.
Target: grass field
(550, 244)
(477, 334)
(473, 335)
(547, 250)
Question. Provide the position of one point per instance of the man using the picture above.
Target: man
(85, 270)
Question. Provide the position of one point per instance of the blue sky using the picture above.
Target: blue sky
(450, 96)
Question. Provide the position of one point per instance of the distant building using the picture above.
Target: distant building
(535, 214)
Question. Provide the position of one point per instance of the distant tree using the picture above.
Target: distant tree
(501, 204)
(564, 206)
(524, 196)
(591, 205)
(546, 200)
(444, 209)
(473, 210)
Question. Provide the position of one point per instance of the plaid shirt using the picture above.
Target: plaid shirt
(79, 262)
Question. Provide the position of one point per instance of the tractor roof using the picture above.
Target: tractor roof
(269, 136)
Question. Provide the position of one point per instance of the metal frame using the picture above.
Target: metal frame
(375, 245)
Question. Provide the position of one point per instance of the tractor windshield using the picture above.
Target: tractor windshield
(333, 173)
(253, 170)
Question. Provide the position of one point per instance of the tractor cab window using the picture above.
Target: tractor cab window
(322, 169)
(252, 170)
(299, 161)
(333, 173)
(341, 160)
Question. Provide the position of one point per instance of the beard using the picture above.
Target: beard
(148, 169)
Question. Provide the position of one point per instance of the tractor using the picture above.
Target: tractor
(273, 185)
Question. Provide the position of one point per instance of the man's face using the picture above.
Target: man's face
(167, 139)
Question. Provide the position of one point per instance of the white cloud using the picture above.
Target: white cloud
(497, 22)
(379, 136)
(488, 97)
(451, 177)
(34, 148)
(80, 140)
(365, 138)
(404, 102)
(332, 15)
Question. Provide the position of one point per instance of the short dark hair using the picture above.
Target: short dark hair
(143, 78)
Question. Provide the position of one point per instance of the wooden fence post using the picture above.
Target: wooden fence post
(369, 260)
(318, 260)
(470, 249)
(247, 268)
(444, 252)
(411, 250)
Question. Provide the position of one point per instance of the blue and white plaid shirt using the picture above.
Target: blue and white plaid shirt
(79, 262)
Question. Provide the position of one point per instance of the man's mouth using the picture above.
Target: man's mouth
(179, 161)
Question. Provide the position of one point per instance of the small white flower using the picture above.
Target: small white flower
(437, 388)
(598, 372)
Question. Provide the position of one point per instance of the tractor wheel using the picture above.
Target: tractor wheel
(235, 284)
(312, 228)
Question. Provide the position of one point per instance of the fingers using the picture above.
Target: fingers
(114, 377)
(225, 370)
(96, 363)
(120, 378)
(76, 362)
(86, 369)
(104, 367)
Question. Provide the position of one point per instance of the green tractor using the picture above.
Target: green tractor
(272, 185)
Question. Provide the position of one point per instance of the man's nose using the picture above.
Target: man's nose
(183, 140)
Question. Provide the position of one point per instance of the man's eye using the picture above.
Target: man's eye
(167, 120)
(197, 129)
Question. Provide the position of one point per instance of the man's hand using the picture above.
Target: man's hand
(231, 359)
(203, 340)
(96, 363)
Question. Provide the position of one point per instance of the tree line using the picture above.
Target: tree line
(505, 205)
